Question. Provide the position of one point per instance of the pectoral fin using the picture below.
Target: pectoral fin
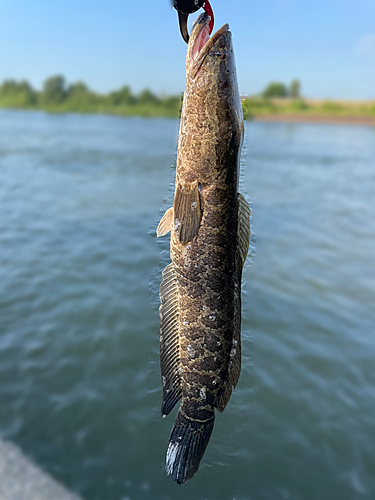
(187, 211)
(165, 224)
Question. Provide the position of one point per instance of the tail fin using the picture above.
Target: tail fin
(188, 441)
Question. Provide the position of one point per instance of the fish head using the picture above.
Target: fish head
(211, 70)
(208, 55)
(211, 117)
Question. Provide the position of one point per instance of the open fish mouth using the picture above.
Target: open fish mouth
(201, 43)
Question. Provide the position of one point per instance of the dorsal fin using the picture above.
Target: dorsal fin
(244, 231)
(243, 241)
(234, 368)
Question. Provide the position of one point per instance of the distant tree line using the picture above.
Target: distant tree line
(280, 90)
(56, 95)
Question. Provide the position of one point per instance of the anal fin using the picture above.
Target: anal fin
(169, 340)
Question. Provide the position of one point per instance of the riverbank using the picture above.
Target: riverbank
(57, 97)
(295, 118)
(309, 110)
(160, 110)
(254, 108)
(20, 479)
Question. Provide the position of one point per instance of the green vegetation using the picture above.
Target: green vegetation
(259, 106)
(18, 95)
(295, 89)
(277, 99)
(56, 96)
(280, 90)
(275, 89)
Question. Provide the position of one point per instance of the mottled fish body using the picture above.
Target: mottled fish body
(200, 311)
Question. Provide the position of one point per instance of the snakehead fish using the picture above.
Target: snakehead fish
(200, 293)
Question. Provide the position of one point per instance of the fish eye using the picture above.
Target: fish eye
(221, 54)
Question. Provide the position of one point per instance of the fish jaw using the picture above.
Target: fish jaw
(201, 44)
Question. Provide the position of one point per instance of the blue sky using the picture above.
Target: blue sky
(328, 44)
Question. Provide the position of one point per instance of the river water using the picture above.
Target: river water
(79, 380)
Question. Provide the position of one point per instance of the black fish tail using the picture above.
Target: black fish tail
(187, 443)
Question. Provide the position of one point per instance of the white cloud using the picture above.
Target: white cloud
(366, 46)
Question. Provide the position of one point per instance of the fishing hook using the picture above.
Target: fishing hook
(187, 7)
